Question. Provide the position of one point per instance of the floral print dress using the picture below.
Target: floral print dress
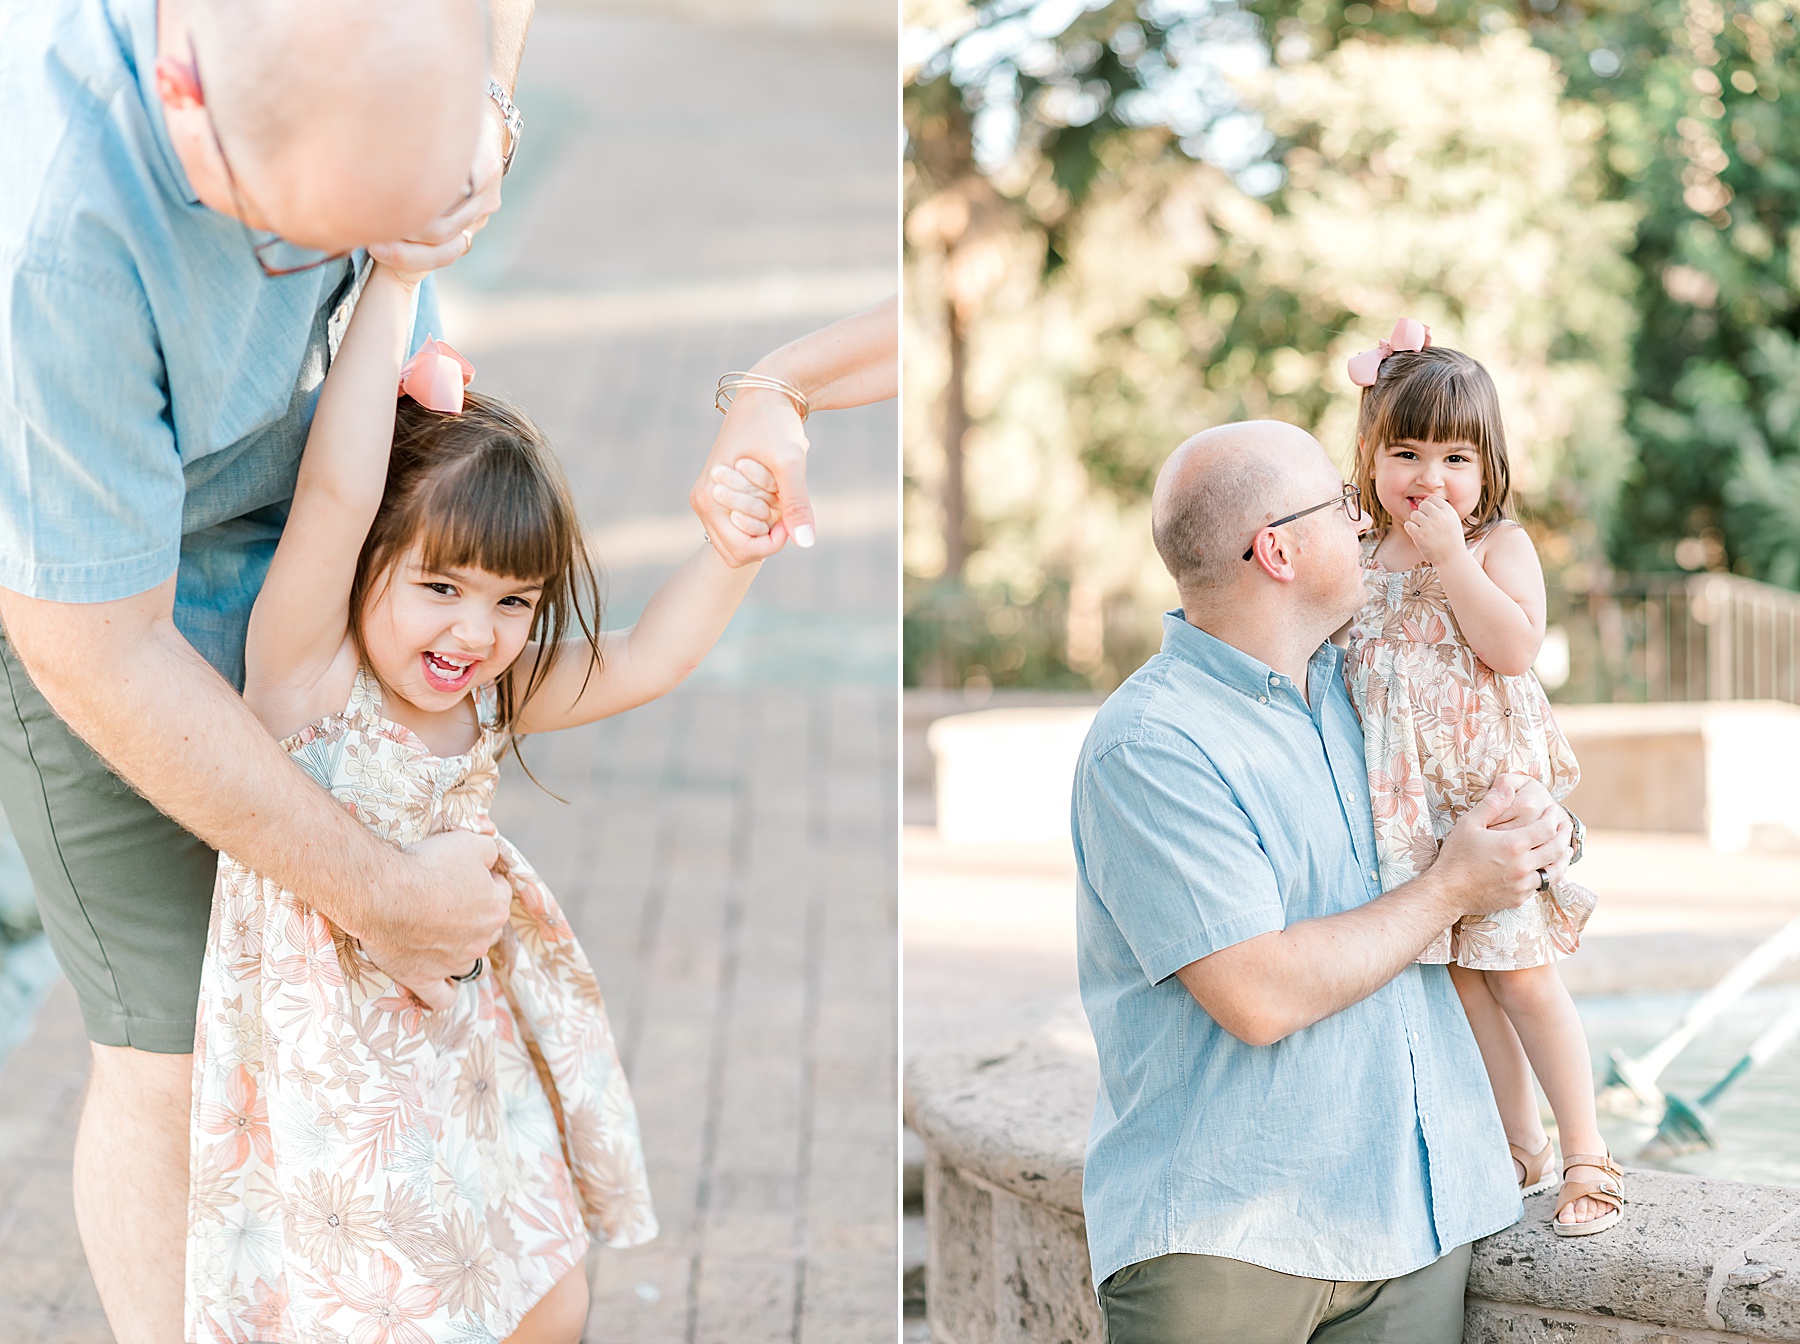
(1438, 725)
(363, 1169)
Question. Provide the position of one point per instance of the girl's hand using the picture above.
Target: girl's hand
(1436, 530)
(746, 490)
(762, 427)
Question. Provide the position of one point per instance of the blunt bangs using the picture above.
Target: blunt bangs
(493, 512)
(1435, 395)
(483, 490)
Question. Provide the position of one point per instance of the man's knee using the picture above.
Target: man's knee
(141, 1088)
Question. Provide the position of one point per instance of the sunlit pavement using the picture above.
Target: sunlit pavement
(687, 198)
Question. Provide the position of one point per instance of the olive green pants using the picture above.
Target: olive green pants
(125, 894)
(1205, 1299)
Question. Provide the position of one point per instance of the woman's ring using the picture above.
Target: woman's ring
(468, 240)
(474, 971)
(1543, 882)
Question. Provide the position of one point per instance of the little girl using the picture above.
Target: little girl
(363, 1168)
(1440, 671)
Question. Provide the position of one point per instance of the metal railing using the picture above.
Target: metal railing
(1653, 637)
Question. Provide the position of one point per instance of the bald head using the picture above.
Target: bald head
(1217, 488)
(345, 122)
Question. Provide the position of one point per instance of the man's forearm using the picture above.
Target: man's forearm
(1268, 987)
(171, 727)
(511, 20)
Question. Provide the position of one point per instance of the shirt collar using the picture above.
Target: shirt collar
(1238, 669)
(135, 21)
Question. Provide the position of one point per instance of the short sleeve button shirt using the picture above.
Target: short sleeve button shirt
(1213, 803)
(155, 386)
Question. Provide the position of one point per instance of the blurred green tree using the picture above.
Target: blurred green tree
(1700, 102)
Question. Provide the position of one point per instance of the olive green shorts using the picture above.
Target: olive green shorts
(1205, 1299)
(125, 893)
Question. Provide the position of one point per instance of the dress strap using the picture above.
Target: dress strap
(1488, 533)
(365, 697)
(487, 706)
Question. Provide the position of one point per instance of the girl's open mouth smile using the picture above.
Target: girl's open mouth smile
(447, 672)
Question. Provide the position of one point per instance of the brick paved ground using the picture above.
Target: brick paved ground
(728, 854)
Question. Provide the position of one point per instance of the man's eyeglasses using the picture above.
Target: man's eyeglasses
(275, 254)
(1350, 501)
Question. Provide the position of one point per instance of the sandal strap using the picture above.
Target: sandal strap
(1536, 1165)
(1604, 1161)
(1604, 1191)
(1610, 1189)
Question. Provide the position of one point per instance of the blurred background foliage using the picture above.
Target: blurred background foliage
(1129, 220)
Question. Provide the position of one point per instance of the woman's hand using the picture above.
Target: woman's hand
(763, 428)
(1436, 530)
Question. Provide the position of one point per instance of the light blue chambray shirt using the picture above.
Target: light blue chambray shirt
(1212, 803)
(155, 386)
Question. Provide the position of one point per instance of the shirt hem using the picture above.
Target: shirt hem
(1100, 1276)
(1190, 950)
(107, 582)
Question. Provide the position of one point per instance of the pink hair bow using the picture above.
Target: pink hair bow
(436, 377)
(1408, 335)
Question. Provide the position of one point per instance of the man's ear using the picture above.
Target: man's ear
(1273, 553)
(178, 85)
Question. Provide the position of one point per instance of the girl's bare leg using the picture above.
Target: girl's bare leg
(1544, 1016)
(1508, 1070)
(560, 1315)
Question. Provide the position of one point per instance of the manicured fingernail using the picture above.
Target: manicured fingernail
(803, 536)
(721, 494)
(718, 473)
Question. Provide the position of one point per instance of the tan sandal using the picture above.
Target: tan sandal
(1609, 1190)
(1534, 1168)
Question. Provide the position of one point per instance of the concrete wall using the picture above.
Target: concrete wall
(1005, 1128)
(1723, 769)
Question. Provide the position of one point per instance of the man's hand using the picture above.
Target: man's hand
(452, 234)
(764, 427)
(447, 910)
(1490, 859)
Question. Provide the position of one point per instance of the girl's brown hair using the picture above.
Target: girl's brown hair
(1435, 395)
(483, 490)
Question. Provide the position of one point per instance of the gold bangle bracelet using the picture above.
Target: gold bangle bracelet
(730, 383)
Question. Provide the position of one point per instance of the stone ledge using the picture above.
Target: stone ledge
(1005, 1128)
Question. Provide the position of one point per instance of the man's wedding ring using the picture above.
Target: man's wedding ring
(474, 971)
(1543, 884)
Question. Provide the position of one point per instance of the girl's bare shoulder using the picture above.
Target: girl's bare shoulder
(1506, 543)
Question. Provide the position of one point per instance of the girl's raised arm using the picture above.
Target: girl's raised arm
(679, 625)
(300, 625)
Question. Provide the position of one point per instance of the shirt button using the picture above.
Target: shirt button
(1262, 699)
(1424, 1117)
(1415, 1038)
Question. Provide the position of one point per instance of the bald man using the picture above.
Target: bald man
(184, 190)
(1294, 1138)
